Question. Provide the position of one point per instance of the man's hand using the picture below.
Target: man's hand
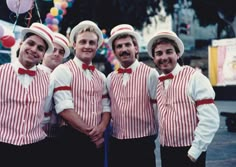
(99, 142)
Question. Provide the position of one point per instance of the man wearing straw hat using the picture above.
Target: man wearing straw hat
(51, 120)
(24, 89)
(81, 100)
(132, 90)
(50, 62)
(188, 118)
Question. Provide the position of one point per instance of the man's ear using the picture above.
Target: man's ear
(74, 45)
(136, 49)
(20, 43)
(18, 50)
(178, 55)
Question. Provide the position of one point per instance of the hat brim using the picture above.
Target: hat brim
(134, 34)
(81, 26)
(31, 30)
(176, 39)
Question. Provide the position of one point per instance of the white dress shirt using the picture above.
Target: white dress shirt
(152, 81)
(200, 88)
(62, 76)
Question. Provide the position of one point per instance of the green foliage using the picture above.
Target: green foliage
(135, 12)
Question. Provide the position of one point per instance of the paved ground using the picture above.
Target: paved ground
(222, 150)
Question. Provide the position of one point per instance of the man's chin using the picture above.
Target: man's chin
(165, 70)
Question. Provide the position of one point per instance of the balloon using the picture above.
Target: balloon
(1, 31)
(60, 12)
(55, 28)
(56, 1)
(64, 5)
(64, 12)
(50, 26)
(55, 21)
(48, 20)
(59, 17)
(70, 4)
(49, 15)
(57, 5)
(19, 6)
(54, 11)
(8, 41)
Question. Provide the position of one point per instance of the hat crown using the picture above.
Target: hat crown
(166, 32)
(62, 41)
(87, 24)
(121, 28)
(44, 29)
(61, 38)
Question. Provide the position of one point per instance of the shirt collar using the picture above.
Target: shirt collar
(18, 65)
(175, 70)
(45, 68)
(134, 65)
(79, 63)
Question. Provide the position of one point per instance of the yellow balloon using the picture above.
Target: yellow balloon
(56, 1)
(54, 11)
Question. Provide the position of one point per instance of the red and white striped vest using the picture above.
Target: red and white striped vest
(87, 94)
(177, 114)
(21, 109)
(131, 108)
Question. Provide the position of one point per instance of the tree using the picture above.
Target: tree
(218, 11)
(211, 12)
(108, 13)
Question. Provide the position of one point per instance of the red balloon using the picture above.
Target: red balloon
(8, 41)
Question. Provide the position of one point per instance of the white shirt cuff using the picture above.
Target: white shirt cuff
(194, 152)
(67, 104)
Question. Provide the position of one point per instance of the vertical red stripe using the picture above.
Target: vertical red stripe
(21, 108)
(87, 94)
(177, 113)
(131, 109)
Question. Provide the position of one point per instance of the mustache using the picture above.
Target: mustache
(124, 53)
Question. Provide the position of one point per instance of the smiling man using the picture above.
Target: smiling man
(51, 120)
(188, 118)
(61, 51)
(24, 88)
(132, 90)
(81, 99)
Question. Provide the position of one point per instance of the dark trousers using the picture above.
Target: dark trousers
(35, 154)
(132, 152)
(177, 156)
(78, 150)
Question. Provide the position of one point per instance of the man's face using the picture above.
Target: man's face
(54, 59)
(86, 46)
(32, 51)
(125, 51)
(165, 57)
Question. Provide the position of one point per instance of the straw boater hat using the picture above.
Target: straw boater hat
(86, 24)
(42, 31)
(165, 34)
(123, 29)
(62, 41)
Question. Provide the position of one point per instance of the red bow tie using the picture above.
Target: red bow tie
(125, 70)
(87, 67)
(168, 76)
(28, 72)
